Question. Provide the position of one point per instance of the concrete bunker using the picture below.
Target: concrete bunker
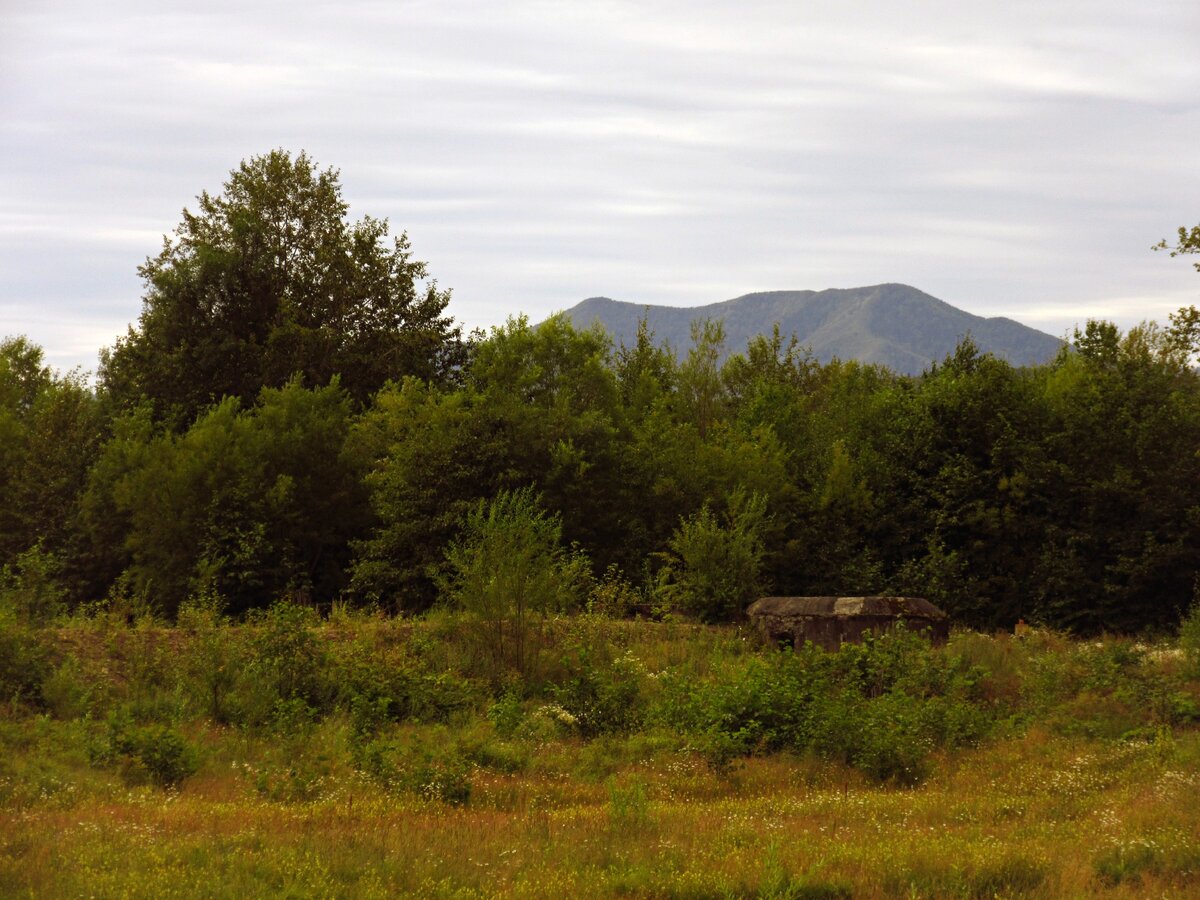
(830, 622)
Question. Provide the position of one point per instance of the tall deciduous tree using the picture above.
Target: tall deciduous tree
(269, 279)
(249, 503)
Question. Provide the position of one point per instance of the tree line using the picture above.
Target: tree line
(295, 415)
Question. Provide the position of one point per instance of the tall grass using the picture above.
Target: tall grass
(365, 756)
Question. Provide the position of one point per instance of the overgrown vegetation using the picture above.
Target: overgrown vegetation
(658, 759)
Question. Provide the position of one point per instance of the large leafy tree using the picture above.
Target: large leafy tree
(269, 279)
(251, 504)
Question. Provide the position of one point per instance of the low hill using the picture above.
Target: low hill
(893, 325)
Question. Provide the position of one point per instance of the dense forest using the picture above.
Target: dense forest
(294, 415)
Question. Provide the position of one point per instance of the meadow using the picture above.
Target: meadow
(367, 756)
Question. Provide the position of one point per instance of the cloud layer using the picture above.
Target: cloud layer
(1012, 159)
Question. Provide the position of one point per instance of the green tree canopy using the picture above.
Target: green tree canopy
(251, 504)
(268, 279)
(50, 430)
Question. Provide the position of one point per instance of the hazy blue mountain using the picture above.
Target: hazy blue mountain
(893, 325)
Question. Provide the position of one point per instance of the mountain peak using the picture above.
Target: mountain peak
(894, 325)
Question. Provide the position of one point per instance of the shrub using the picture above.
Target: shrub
(381, 685)
(69, 692)
(446, 779)
(303, 776)
(507, 713)
(31, 588)
(892, 745)
(154, 752)
(1189, 638)
(882, 706)
(285, 663)
(497, 756)
(24, 661)
(613, 595)
(215, 657)
(442, 774)
(167, 757)
(603, 696)
(714, 568)
(509, 569)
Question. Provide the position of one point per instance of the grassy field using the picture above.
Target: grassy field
(627, 759)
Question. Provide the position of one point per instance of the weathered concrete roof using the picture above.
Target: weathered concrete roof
(883, 607)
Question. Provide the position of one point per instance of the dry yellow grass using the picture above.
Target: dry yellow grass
(1035, 816)
(1088, 791)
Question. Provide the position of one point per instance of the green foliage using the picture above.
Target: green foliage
(380, 686)
(267, 280)
(714, 571)
(249, 504)
(432, 456)
(241, 465)
(602, 694)
(613, 595)
(155, 752)
(507, 713)
(216, 659)
(701, 394)
(882, 706)
(24, 660)
(1189, 637)
(31, 587)
(509, 570)
(441, 775)
(50, 428)
(287, 671)
(1187, 243)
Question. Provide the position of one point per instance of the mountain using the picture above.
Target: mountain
(893, 325)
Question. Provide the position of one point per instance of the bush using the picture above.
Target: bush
(881, 707)
(24, 661)
(497, 756)
(603, 696)
(442, 774)
(1189, 638)
(507, 713)
(164, 753)
(382, 685)
(613, 595)
(285, 664)
(156, 753)
(31, 588)
(892, 745)
(301, 776)
(714, 568)
(509, 569)
(215, 658)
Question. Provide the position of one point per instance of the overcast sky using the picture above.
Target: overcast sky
(1011, 158)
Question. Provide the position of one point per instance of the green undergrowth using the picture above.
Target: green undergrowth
(618, 728)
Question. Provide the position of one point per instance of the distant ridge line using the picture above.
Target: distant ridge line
(892, 325)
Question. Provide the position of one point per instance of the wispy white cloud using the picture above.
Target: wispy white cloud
(1013, 159)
